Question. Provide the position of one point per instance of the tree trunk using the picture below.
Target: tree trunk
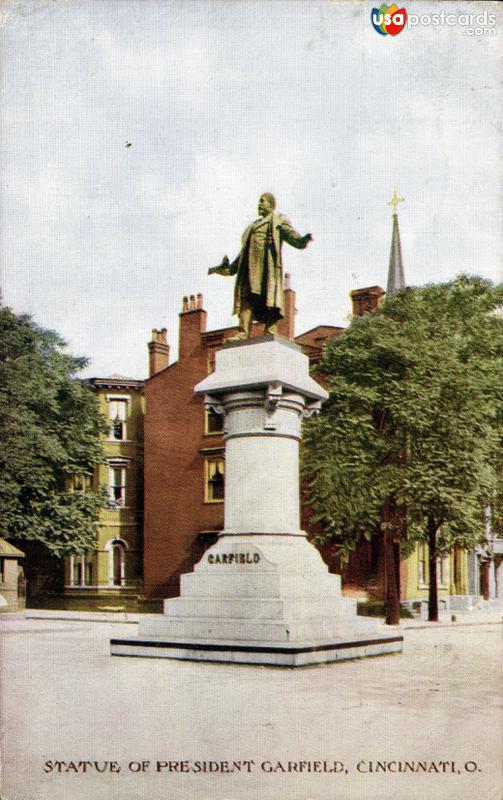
(391, 568)
(397, 555)
(432, 591)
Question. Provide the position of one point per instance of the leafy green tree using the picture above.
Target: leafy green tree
(408, 445)
(49, 432)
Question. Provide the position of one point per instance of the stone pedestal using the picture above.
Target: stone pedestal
(262, 594)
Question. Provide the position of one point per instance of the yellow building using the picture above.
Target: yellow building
(12, 582)
(452, 581)
(111, 576)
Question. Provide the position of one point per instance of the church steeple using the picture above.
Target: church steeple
(396, 278)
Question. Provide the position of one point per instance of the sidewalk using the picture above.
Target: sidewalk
(447, 621)
(451, 620)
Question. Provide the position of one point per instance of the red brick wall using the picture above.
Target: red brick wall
(174, 434)
(286, 326)
(158, 351)
(367, 299)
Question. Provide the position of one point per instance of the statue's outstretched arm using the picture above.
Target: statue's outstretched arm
(225, 267)
(290, 235)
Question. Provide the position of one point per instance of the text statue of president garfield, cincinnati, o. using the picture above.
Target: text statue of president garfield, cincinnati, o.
(258, 292)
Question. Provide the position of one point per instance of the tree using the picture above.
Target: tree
(407, 446)
(49, 432)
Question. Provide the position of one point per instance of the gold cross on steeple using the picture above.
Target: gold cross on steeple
(395, 200)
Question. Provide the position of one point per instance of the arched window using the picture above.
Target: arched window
(116, 562)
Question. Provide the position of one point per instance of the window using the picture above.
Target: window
(421, 566)
(117, 562)
(423, 570)
(81, 571)
(457, 572)
(117, 412)
(80, 483)
(2, 570)
(443, 571)
(116, 484)
(214, 423)
(214, 480)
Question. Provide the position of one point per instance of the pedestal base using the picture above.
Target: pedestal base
(265, 600)
(271, 654)
(262, 594)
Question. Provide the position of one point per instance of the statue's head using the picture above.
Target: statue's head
(266, 204)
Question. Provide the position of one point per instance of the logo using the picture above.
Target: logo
(388, 19)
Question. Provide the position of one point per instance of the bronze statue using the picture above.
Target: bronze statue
(258, 292)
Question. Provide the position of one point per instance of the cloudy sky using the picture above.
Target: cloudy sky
(221, 100)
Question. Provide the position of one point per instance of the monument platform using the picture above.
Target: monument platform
(262, 593)
(273, 654)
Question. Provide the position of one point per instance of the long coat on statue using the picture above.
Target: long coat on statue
(259, 269)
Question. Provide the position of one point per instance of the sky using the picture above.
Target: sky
(137, 135)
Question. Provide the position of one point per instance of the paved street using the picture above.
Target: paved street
(426, 724)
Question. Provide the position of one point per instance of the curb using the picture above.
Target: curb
(459, 623)
(85, 616)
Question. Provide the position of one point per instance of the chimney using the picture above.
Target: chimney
(286, 326)
(367, 299)
(192, 325)
(158, 351)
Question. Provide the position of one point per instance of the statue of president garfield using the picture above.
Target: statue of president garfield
(258, 291)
